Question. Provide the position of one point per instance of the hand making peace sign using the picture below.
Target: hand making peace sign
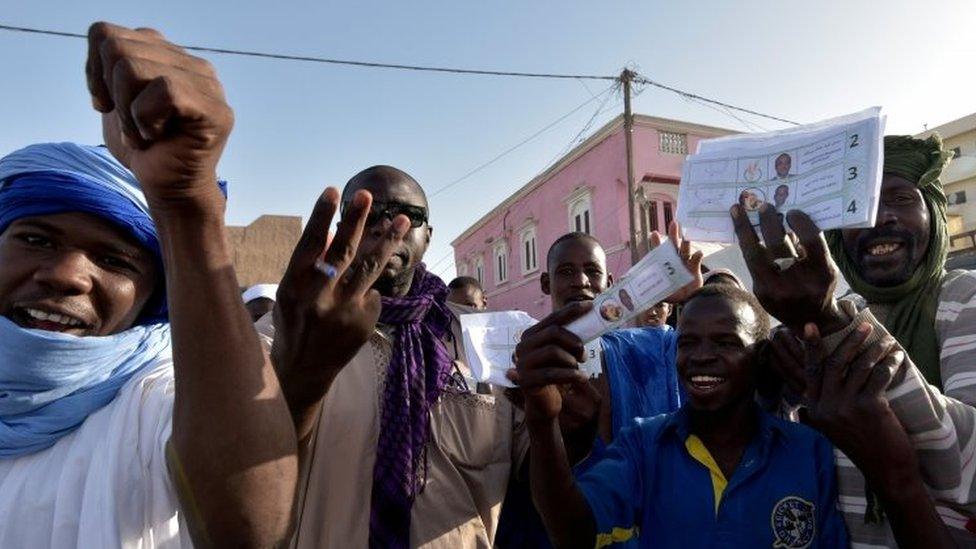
(326, 308)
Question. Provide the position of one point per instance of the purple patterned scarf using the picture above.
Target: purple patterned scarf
(422, 320)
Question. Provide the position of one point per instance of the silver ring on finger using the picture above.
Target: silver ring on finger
(328, 269)
(784, 262)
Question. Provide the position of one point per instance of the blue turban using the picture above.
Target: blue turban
(51, 382)
(53, 178)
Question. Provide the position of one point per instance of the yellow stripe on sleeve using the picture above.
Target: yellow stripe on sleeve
(617, 535)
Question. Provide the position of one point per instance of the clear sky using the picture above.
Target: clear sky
(302, 126)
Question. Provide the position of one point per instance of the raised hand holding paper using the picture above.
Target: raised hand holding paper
(830, 170)
(490, 340)
(659, 274)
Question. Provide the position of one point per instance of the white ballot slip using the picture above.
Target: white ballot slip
(830, 170)
(490, 340)
(657, 275)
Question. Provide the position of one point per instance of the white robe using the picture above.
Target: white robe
(106, 484)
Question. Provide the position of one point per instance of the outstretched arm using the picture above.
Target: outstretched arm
(940, 427)
(845, 397)
(547, 356)
(166, 118)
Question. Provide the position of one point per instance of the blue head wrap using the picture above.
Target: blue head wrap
(51, 382)
(53, 178)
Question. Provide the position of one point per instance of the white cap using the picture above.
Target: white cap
(260, 290)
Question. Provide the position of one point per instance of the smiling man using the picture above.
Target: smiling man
(898, 266)
(898, 269)
(638, 364)
(128, 416)
(638, 376)
(717, 472)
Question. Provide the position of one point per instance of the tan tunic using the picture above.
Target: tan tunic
(477, 442)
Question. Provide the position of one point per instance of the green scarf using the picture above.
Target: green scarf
(911, 319)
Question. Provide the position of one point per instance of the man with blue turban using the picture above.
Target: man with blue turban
(129, 417)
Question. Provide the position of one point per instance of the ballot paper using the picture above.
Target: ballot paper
(830, 170)
(490, 340)
(657, 275)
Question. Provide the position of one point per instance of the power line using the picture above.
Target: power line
(432, 266)
(520, 143)
(331, 61)
(749, 126)
(640, 79)
(578, 138)
(644, 80)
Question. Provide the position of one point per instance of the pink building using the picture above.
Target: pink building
(585, 191)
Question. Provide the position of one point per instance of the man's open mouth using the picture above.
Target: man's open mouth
(884, 248)
(40, 319)
(705, 383)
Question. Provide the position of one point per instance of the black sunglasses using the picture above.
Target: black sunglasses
(389, 210)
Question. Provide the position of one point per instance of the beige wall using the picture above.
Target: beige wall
(262, 249)
(960, 175)
(967, 212)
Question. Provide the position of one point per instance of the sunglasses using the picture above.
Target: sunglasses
(389, 210)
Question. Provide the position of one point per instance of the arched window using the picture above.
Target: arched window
(501, 262)
(580, 215)
(479, 270)
(527, 239)
(658, 212)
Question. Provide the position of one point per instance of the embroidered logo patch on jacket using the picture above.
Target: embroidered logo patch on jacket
(794, 523)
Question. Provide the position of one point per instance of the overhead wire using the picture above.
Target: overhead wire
(333, 61)
(639, 78)
(750, 126)
(509, 150)
(577, 138)
(645, 80)
(431, 266)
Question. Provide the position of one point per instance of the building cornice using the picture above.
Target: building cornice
(951, 129)
(589, 143)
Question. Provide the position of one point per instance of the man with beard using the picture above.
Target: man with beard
(137, 408)
(897, 268)
(401, 447)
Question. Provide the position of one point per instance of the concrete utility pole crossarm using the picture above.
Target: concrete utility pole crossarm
(636, 240)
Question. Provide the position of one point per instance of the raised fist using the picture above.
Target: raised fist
(165, 115)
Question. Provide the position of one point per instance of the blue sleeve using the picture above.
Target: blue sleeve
(831, 529)
(614, 488)
(670, 351)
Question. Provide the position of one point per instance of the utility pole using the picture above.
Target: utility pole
(636, 239)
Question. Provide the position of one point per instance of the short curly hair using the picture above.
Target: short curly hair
(760, 329)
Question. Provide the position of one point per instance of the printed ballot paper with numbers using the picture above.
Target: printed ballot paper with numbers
(830, 170)
(490, 338)
(657, 275)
